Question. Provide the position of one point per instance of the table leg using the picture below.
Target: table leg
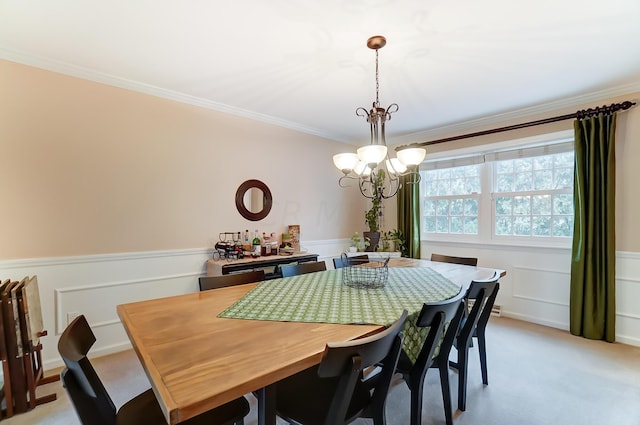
(266, 405)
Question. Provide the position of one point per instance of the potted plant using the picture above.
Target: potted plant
(389, 241)
(393, 240)
(358, 243)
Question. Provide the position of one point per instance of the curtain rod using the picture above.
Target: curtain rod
(584, 113)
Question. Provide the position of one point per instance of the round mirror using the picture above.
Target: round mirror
(253, 200)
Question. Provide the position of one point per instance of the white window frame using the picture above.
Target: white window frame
(486, 211)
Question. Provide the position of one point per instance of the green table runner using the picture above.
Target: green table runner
(322, 298)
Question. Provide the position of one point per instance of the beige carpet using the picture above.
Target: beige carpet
(537, 375)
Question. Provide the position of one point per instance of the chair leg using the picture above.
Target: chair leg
(446, 393)
(380, 418)
(482, 349)
(416, 404)
(463, 354)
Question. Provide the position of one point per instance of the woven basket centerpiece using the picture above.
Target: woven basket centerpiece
(369, 275)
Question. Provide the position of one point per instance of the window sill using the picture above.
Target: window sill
(493, 244)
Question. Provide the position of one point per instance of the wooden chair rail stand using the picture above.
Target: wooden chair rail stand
(20, 348)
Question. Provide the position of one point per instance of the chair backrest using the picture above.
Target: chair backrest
(88, 395)
(339, 262)
(213, 282)
(483, 293)
(467, 261)
(347, 360)
(289, 270)
(437, 316)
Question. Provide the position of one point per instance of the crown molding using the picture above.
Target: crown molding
(123, 83)
(417, 137)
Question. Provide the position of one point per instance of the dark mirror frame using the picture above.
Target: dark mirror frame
(242, 209)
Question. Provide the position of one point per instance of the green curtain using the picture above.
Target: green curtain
(592, 304)
(409, 215)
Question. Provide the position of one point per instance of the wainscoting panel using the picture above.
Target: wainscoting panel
(77, 299)
(536, 287)
(95, 285)
(540, 295)
(327, 249)
(627, 296)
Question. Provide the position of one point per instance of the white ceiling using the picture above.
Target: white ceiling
(304, 64)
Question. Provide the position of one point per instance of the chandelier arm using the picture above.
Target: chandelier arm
(363, 191)
(392, 194)
(340, 181)
(393, 108)
(417, 178)
(364, 111)
(394, 185)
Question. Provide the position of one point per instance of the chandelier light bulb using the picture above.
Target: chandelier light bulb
(394, 166)
(411, 156)
(345, 162)
(372, 154)
(362, 169)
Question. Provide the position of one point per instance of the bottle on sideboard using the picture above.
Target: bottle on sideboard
(246, 243)
(265, 249)
(274, 244)
(256, 246)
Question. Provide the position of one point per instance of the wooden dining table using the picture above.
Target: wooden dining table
(197, 361)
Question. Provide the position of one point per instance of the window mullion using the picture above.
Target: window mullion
(485, 214)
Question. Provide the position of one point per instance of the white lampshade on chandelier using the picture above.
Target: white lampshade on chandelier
(377, 174)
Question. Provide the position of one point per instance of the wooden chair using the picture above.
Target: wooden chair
(338, 263)
(437, 317)
(467, 261)
(94, 405)
(6, 398)
(483, 294)
(213, 282)
(334, 393)
(289, 270)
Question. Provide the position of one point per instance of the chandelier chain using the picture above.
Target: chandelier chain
(377, 82)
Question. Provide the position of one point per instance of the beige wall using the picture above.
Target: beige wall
(89, 169)
(627, 158)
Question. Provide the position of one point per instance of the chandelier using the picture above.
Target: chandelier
(378, 175)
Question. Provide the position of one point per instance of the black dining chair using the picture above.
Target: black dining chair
(437, 317)
(289, 270)
(467, 261)
(339, 262)
(213, 282)
(334, 392)
(93, 404)
(481, 295)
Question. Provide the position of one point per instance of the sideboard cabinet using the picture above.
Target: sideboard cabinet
(270, 264)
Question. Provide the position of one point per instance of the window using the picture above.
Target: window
(534, 196)
(524, 193)
(451, 202)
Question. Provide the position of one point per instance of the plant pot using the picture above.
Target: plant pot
(374, 238)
